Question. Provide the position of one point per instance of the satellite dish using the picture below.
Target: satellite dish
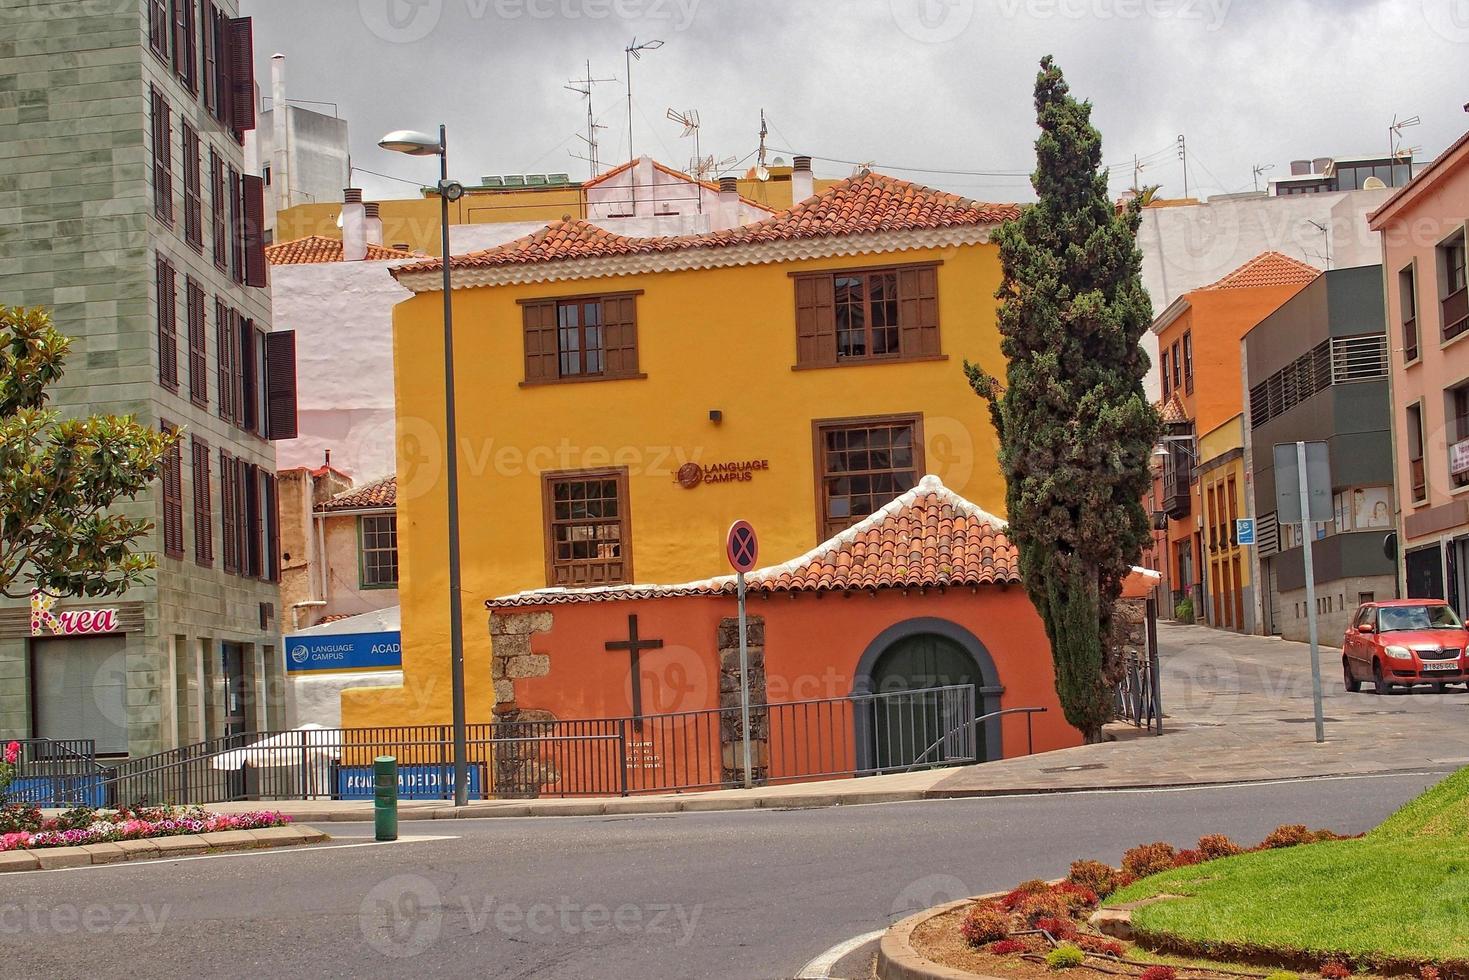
(1373, 184)
(762, 172)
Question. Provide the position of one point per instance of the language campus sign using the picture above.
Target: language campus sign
(344, 652)
(691, 475)
(47, 620)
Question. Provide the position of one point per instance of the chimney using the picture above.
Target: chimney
(374, 223)
(803, 185)
(1300, 168)
(354, 226)
(280, 156)
(727, 212)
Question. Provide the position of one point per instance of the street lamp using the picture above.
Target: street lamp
(417, 144)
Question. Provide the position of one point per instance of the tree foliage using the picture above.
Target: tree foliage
(61, 477)
(1076, 430)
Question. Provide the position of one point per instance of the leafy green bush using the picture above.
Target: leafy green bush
(1184, 612)
(1065, 957)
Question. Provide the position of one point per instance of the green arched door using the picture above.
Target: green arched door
(920, 727)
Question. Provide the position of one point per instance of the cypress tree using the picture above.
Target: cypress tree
(1076, 430)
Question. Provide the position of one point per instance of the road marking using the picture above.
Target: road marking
(820, 968)
(254, 852)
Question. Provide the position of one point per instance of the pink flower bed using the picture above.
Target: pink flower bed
(191, 820)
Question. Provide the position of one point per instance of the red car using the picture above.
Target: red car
(1405, 642)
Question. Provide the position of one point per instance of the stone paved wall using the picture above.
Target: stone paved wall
(731, 729)
(518, 771)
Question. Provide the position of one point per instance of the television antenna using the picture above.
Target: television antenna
(704, 168)
(1395, 134)
(634, 50)
(583, 87)
(1325, 254)
(1259, 170)
(762, 172)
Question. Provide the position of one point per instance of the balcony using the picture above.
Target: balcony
(1455, 313)
(1177, 481)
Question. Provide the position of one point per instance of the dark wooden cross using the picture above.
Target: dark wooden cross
(635, 645)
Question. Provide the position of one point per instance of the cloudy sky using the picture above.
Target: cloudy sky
(932, 90)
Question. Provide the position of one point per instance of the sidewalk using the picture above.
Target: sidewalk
(1238, 709)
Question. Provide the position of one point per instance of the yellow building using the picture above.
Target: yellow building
(622, 401)
(1222, 490)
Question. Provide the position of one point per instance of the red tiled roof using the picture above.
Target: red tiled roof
(681, 175)
(1267, 269)
(858, 205)
(315, 249)
(1172, 410)
(377, 495)
(333, 618)
(928, 537)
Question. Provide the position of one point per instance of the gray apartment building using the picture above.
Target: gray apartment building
(126, 210)
(1316, 371)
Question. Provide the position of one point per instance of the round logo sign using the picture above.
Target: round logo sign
(300, 654)
(742, 547)
(690, 475)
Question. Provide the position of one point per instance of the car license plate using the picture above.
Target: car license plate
(1440, 665)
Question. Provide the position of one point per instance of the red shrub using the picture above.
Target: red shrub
(1101, 945)
(984, 923)
(1048, 905)
(1287, 835)
(1078, 897)
(1005, 947)
(1187, 859)
(1428, 973)
(1159, 973)
(1060, 929)
(1100, 878)
(1321, 835)
(1335, 970)
(1148, 859)
(1214, 846)
(1125, 878)
(1022, 891)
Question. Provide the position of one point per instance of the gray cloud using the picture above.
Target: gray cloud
(917, 83)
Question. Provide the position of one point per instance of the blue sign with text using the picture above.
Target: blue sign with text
(345, 651)
(414, 782)
(59, 791)
(1244, 530)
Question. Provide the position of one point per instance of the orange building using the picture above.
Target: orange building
(1203, 487)
(848, 642)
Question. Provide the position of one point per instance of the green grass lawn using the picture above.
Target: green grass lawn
(1402, 891)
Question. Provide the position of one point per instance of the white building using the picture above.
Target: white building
(301, 154)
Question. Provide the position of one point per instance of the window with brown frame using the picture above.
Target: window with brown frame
(203, 508)
(218, 210)
(588, 534)
(228, 511)
(168, 330)
(193, 189)
(1408, 306)
(160, 118)
(581, 338)
(195, 316)
(173, 497)
(186, 44)
(862, 465)
(1188, 362)
(866, 315)
(1459, 431)
(159, 27)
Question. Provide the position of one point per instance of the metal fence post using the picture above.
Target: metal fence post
(622, 756)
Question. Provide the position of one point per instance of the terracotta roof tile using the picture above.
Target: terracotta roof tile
(1172, 411)
(927, 538)
(862, 204)
(1268, 269)
(315, 249)
(681, 175)
(372, 496)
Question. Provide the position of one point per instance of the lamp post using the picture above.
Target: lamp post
(417, 144)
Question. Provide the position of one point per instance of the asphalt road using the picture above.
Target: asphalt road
(740, 894)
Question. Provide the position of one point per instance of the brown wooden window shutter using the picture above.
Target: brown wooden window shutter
(203, 508)
(272, 571)
(218, 211)
(158, 27)
(209, 29)
(162, 126)
(237, 227)
(918, 311)
(168, 338)
(242, 73)
(224, 329)
(229, 534)
(173, 498)
(198, 355)
(816, 330)
(193, 189)
(185, 50)
(540, 341)
(280, 385)
(620, 335)
(252, 189)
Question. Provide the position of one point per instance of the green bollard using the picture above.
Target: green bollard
(385, 797)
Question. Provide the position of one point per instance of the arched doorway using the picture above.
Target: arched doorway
(921, 656)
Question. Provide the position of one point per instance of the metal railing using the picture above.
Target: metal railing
(55, 772)
(971, 725)
(691, 750)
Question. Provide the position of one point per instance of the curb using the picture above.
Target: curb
(898, 960)
(178, 845)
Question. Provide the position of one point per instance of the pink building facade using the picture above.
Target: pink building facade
(1423, 232)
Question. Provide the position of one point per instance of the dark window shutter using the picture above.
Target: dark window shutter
(162, 157)
(252, 190)
(242, 73)
(193, 191)
(168, 342)
(227, 536)
(158, 27)
(198, 355)
(247, 371)
(280, 385)
(173, 498)
(218, 211)
(223, 331)
(209, 29)
(237, 227)
(272, 530)
(816, 325)
(203, 508)
(918, 311)
(540, 341)
(620, 335)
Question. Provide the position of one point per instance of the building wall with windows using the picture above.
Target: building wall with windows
(1422, 230)
(615, 419)
(132, 223)
(1316, 371)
